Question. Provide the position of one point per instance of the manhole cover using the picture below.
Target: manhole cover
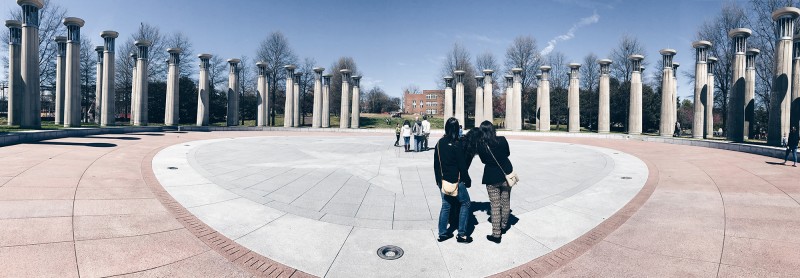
(172, 168)
(626, 178)
(390, 252)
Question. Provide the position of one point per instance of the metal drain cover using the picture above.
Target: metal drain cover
(626, 178)
(390, 252)
(172, 168)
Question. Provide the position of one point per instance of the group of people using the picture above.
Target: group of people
(421, 130)
(453, 156)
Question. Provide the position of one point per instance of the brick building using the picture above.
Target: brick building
(429, 102)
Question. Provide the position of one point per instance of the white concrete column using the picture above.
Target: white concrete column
(98, 91)
(109, 117)
(296, 99)
(544, 100)
(29, 69)
(517, 104)
(709, 100)
(478, 100)
(448, 97)
(459, 114)
(72, 87)
(288, 113)
(635, 98)
(666, 128)
(780, 96)
(344, 114)
(326, 100)
(735, 123)
(536, 107)
(15, 86)
(316, 117)
(509, 120)
(573, 98)
(134, 89)
(203, 90)
(232, 116)
(355, 118)
(142, 72)
(488, 97)
(604, 98)
(262, 118)
(700, 86)
(61, 56)
(172, 107)
(750, 86)
(794, 100)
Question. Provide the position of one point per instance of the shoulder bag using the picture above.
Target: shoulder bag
(448, 188)
(511, 178)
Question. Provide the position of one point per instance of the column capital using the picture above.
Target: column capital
(785, 12)
(141, 43)
(539, 76)
(174, 50)
(750, 60)
(636, 57)
(327, 79)
(516, 70)
(13, 24)
(204, 60)
(448, 81)
(36, 3)
(262, 68)
(479, 80)
(345, 75)
(739, 33)
(751, 52)
(667, 52)
(204, 56)
(545, 68)
(356, 80)
(605, 62)
(297, 75)
(318, 70)
(459, 72)
(73, 21)
(109, 34)
(133, 55)
(99, 49)
(234, 61)
(289, 71)
(488, 72)
(701, 44)
(574, 70)
(509, 80)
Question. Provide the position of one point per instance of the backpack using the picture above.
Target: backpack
(417, 129)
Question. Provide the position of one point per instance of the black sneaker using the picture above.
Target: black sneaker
(444, 237)
(494, 239)
(464, 239)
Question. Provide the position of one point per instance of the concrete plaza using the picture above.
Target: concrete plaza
(299, 204)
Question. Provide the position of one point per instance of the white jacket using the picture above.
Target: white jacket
(426, 126)
(405, 131)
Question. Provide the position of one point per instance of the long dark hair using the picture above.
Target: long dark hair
(405, 123)
(488, 134)
(470, 142)
(451, 129)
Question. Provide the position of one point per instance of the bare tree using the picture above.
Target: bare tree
(590, 81)
(524, 54)
(88, 77)
(187, 64)
(336, 81)
(458, 58)
(50, 25)
(628, 45)
(716, 30)
(488, 61)
(559, 73)
(276, 52)
(590, 73)
(306, 83)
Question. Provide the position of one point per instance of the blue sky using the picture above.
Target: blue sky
(397, 43)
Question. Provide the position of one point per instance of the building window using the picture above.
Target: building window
(414, 103)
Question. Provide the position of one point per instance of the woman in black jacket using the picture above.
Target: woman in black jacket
(450, 164)
(494, 153)
(791, 146)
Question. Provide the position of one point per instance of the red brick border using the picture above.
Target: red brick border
(547, 264)
(239, 255)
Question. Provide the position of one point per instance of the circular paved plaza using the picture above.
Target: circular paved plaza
(273, 203)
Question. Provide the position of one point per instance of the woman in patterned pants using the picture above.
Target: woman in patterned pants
(494, 153)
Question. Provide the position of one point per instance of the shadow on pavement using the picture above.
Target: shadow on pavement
(94, 145)
(775, 163)
(114, 138)
(148, 134)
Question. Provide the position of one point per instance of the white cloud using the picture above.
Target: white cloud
(368, 82)
(594, 18)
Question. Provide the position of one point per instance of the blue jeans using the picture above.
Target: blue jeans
(794, 155)
(406, 139)
(448, 202)
(418, 142)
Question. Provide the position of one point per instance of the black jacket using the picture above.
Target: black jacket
(453, 163)
(793, 140)
(492, 174)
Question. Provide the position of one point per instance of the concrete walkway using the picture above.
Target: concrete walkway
(89, 207)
